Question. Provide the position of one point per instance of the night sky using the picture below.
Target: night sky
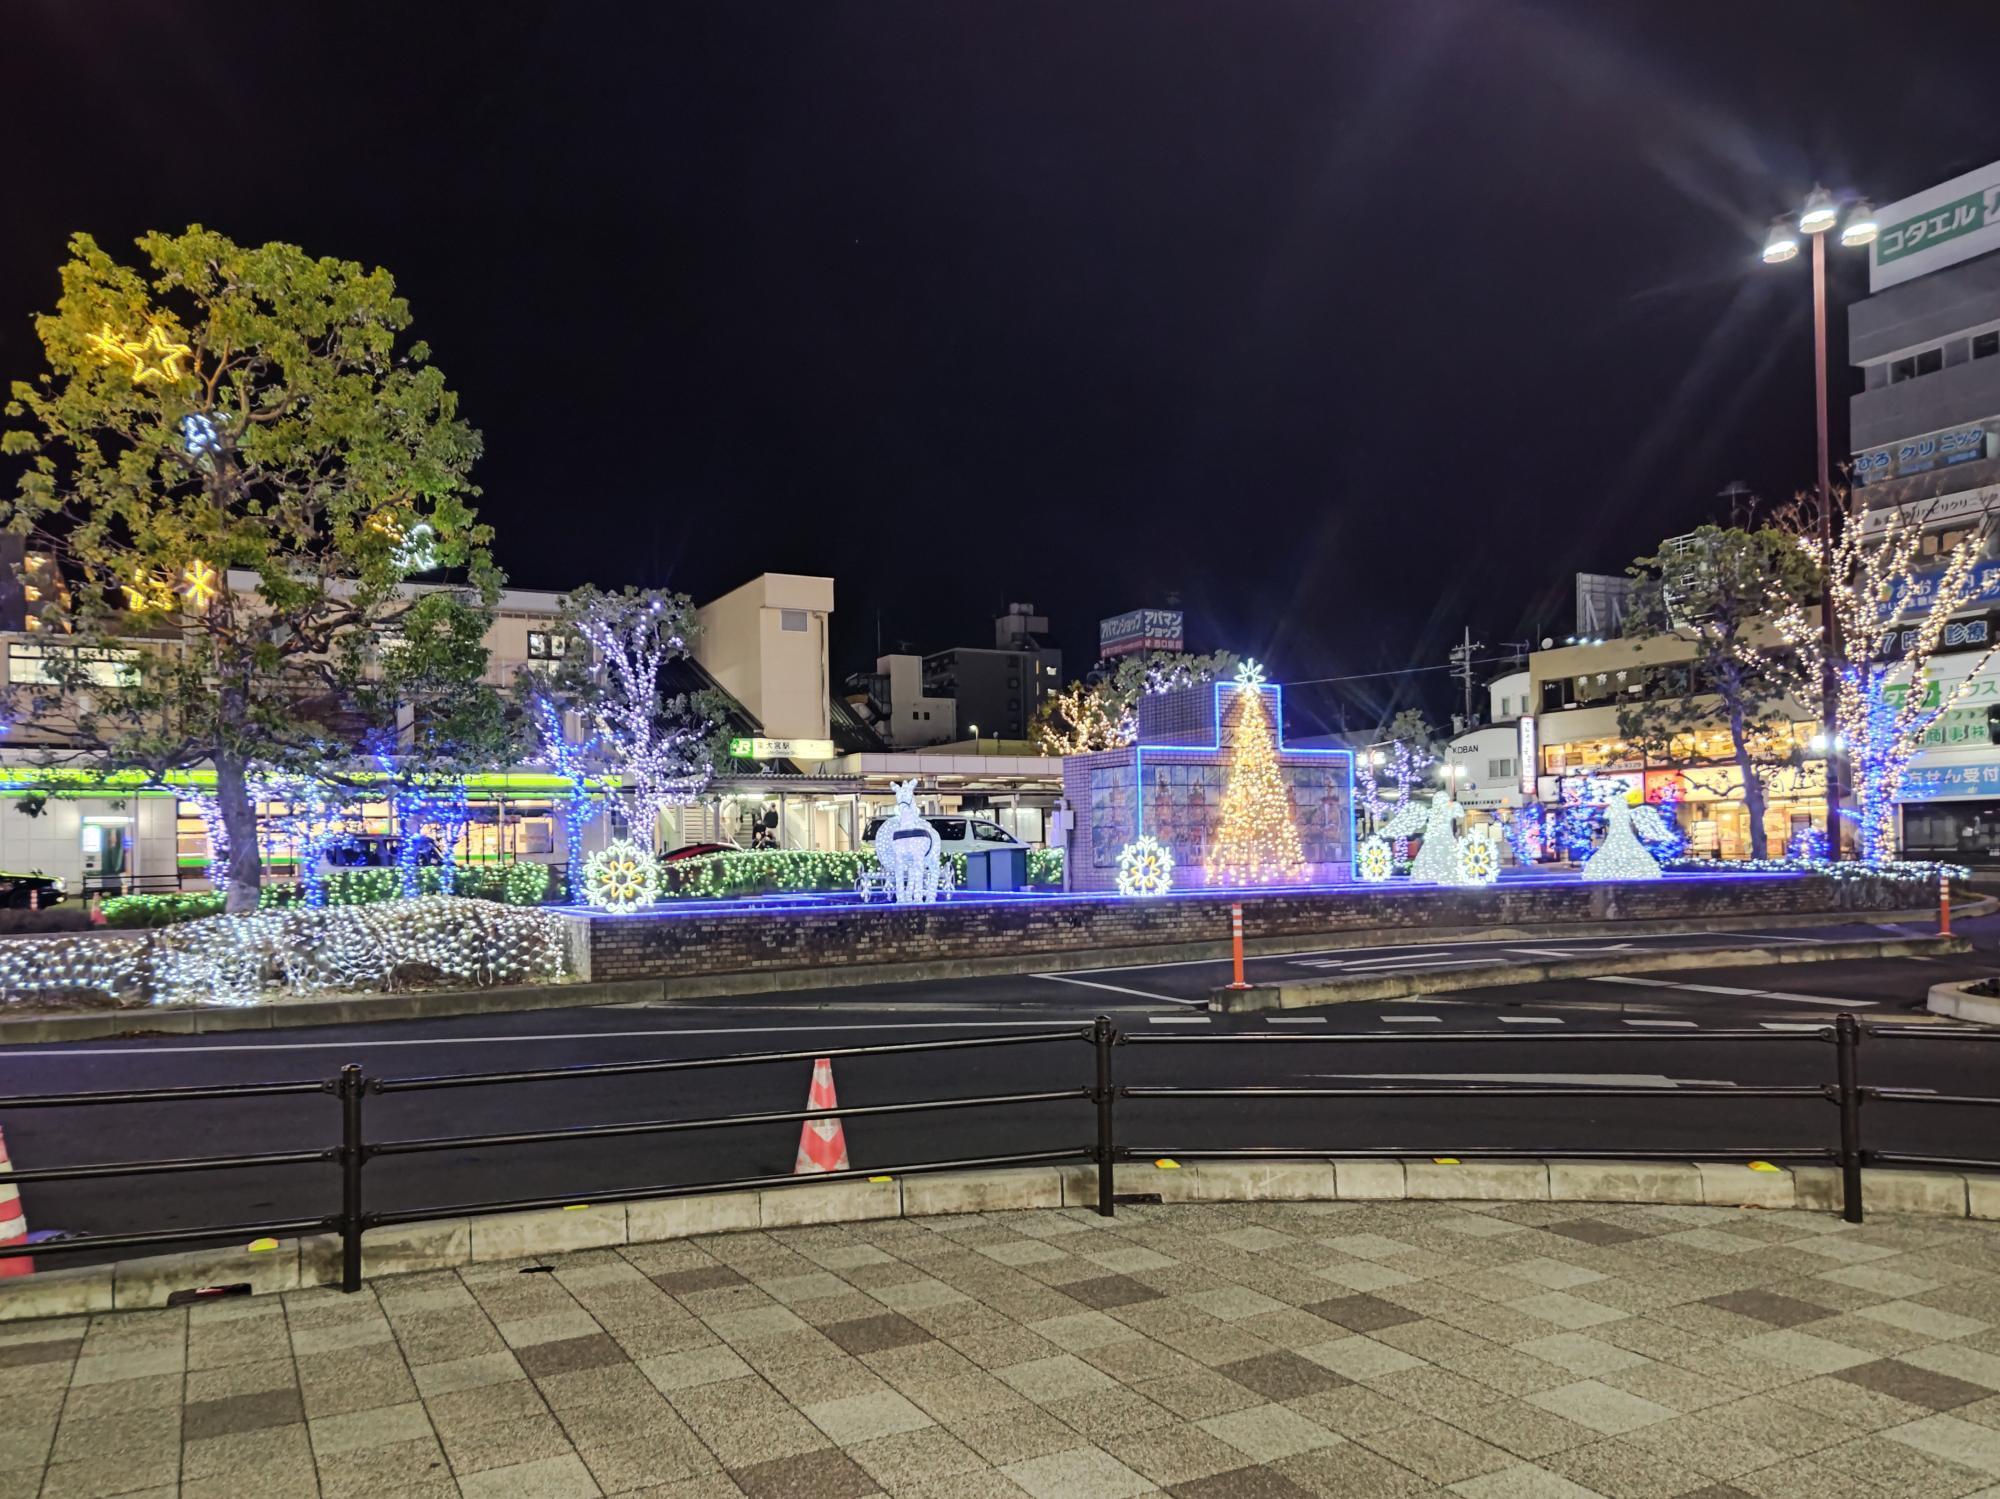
(1349, 323)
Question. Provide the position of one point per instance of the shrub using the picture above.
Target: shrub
(519, 883)
(775, 871)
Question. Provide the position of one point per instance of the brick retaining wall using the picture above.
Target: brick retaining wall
(669, 943)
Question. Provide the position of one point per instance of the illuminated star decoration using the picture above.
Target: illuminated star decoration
(1250, 673)
(154, 357)
(1145, 868)
(199, 584)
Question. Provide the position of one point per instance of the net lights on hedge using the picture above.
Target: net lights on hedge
(619, 877)
(1145, 867)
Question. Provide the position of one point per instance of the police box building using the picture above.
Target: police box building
(1925, 431)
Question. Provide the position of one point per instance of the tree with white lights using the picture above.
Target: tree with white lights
(1257, 842)
(1408, 749)
(661, 745)
(1102, 715)
(1891, 615)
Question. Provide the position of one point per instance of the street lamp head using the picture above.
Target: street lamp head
(1782, 244)
(1820, 213)
(1861, 227)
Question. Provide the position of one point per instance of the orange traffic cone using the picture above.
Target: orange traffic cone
(822, 1142)
(13, 1222)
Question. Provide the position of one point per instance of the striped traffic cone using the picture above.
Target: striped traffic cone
(822, 1142)
(13, 1222)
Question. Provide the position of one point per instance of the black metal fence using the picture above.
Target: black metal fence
(351, 1088)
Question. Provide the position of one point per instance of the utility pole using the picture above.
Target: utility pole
(1461, 667)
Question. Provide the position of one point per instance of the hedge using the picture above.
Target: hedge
(520, 883)
(777, 871)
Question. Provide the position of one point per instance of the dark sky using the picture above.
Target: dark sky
(1351, 323)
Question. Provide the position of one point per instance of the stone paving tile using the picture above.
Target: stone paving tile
(1262, 1350)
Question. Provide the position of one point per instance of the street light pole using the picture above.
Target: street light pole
(1816, 221)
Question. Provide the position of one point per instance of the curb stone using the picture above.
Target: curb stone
(315, 1260)
(1960, 1003)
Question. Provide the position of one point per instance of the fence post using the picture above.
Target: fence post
(1102, 1036)
(1847, 1049)
(1944, 903)
(350, 1177)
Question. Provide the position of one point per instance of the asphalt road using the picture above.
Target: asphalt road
(1656, 1033)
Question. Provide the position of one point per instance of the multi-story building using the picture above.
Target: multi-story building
(1925, 432)
(998, 691)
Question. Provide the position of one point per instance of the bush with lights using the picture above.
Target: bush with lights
(782, 871)
(520, 882)
(296, 949)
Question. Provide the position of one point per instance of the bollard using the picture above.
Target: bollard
(1944, 904)
(1236, 942)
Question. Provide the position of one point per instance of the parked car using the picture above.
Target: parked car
(697, 850)
(956, 835)
(378, 851)
(20, 891)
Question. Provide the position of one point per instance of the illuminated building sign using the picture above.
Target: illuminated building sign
(1527, 754)
(1920, 455)
(1140, 630)
(1940, 226)
(744, 748)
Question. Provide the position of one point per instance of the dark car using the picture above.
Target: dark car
(697, 850)
(20, 891)
(378, 851)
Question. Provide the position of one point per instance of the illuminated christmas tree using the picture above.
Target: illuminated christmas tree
(1257, 842)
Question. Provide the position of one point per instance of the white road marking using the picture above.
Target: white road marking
(1530, 1020)
(1789, 1025)
(1564, 952)
(1178, 1019)
(1063, 978)
(1675, 1024)
(1403, 947)
(1295, 1019)
(1803, 999)
(1412, 1020)
(1397, 965)
(1816, 999)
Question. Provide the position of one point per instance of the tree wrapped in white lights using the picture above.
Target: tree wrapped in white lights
(1102, 715)
(1891, 622)
(661, 746)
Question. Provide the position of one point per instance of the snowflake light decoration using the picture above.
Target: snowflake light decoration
(1479, 858)
(1375, 864)
(1250, 673)
(619, 877)
(1145, 867)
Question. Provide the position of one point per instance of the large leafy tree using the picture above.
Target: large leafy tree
(237, 458)
(1720, 589)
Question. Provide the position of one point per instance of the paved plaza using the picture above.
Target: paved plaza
(1494, 1351)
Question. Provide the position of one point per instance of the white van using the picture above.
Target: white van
(956, 835)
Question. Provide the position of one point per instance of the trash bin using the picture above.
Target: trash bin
(996, 869)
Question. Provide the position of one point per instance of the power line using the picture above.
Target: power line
(1403, 671)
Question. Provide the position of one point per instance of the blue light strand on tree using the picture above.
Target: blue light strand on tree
(567, 759)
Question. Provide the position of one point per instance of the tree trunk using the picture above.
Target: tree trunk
(1753, 787)
(239, 818)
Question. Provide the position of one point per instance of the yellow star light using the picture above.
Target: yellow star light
(154, 357)
(198, 583)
